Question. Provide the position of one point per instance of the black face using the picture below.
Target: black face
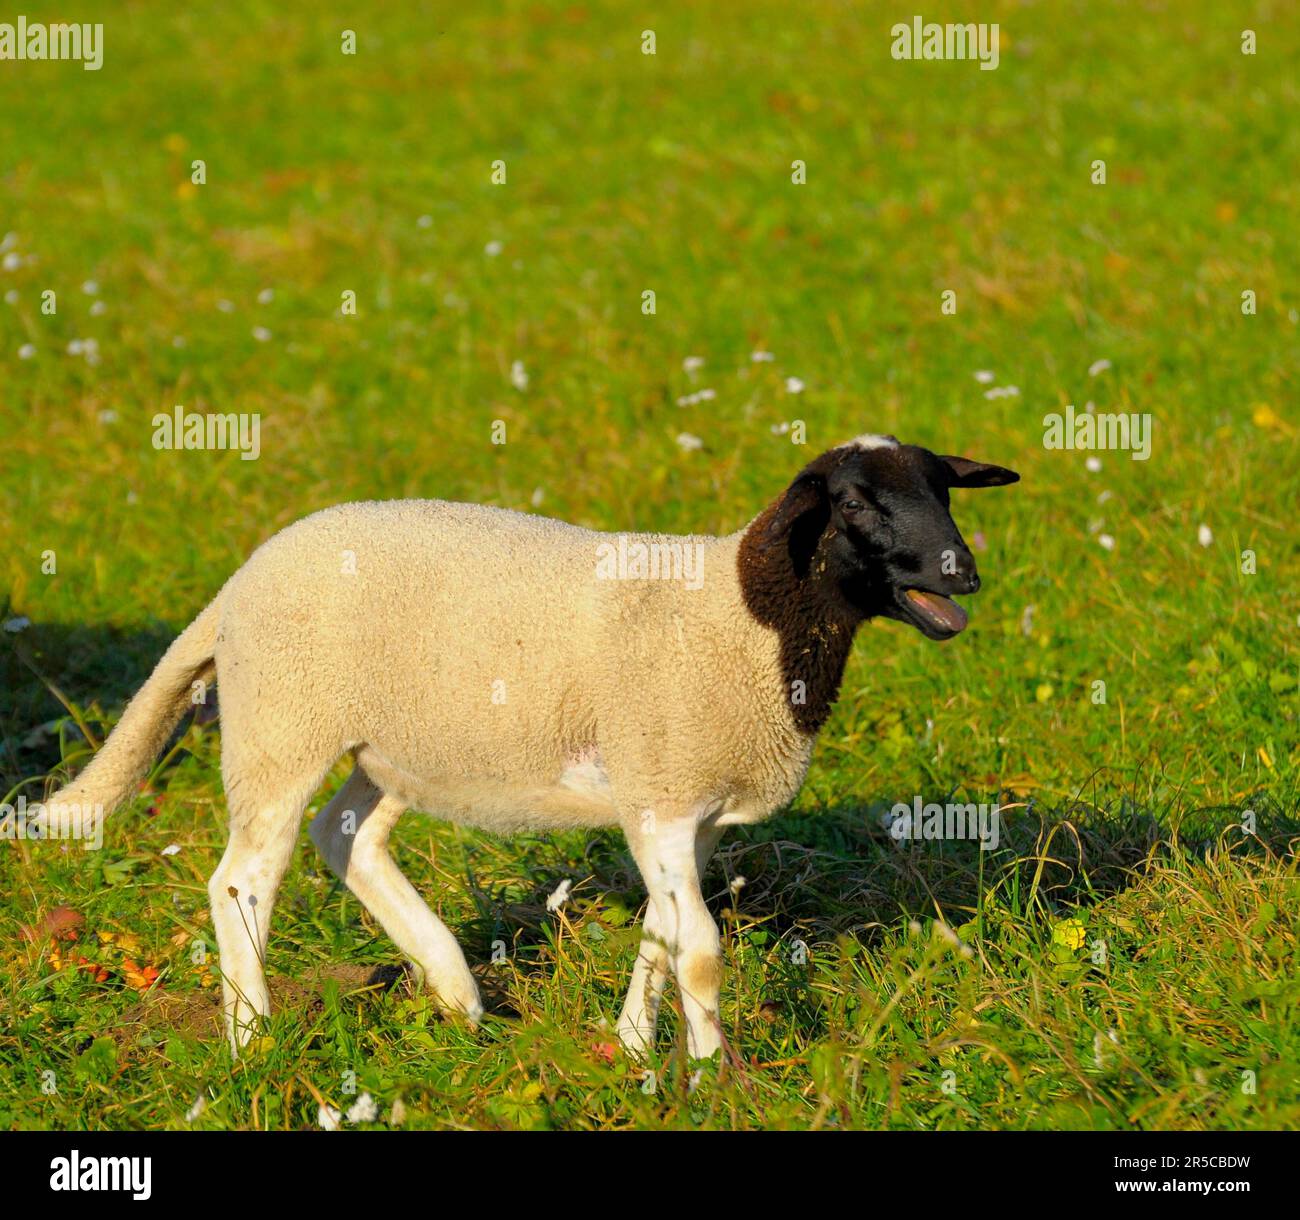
(887, 544)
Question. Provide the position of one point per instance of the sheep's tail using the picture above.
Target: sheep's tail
(123, 760)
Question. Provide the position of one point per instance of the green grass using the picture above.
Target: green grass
(672, 173)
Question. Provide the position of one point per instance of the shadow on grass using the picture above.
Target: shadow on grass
(97, 668)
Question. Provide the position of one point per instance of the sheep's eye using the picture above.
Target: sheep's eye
(852, 506)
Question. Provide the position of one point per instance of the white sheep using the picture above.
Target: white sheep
(511, 672)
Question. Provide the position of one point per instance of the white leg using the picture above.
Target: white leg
(679, 933)
(352, 833)
(242, 893)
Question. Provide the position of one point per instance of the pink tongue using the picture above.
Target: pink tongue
(941, 610)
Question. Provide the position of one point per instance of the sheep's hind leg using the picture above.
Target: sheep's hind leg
(352, 833)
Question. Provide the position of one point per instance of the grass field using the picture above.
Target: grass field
(1127, 957)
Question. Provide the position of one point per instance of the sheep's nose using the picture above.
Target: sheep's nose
(973, 581)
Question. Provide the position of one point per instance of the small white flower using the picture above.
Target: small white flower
(761, 357)
(560, 896)
(11, 297)
(328, 1118)
(12, 261)
(1103, 496)
(91, 288)
(200, 1104)
(793, 385)
(15, 625)
(98, 309)
(226, 306)
(693, 364)
(519, 376)
(1204, 535)
(781, 429)
(1003, 391)
(27, 351)
(10, 239)
(75, 347)
(706, 395)
(425, 221)
(738, 883)
(688, 441)
(493, 248)
(363, 1110)
(537, 497)
(108, 416)
(261, 334)
(688, 400)
(984, 376)
(172, 849)
(266, 296)
(1107, 542)
(1093, 464)
(1098, 366)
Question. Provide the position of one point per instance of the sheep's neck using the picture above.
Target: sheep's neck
(812, 622)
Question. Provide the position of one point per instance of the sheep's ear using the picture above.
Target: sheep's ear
(968, 473)
(801, 516)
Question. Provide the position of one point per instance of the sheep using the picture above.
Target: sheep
(511, 672)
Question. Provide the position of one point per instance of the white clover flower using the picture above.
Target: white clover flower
(12, 261)
(98, 309)
(984, 376)
(689, 442)
(1103, 496)
(693, 364)
(27, 351)
(706, 395)
(328, 1118)
(1204, 535)
(363, 1110)
(75, 347)
(793, 385)
(560, 896)
(90, 288)
(266, 296)
(493, 248)
(261, 334)
(226, 306)
(425, 221)
(1003, 391)
(761, 357)
(108, 416)
(1107, 542)
(1098, 366)
(1093, 464)
(519, 376)
(11, 297)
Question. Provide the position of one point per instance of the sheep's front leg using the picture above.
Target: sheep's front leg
(679, 934)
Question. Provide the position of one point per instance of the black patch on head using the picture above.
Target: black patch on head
(855, 529)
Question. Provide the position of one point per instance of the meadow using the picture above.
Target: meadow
(1126, 957)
